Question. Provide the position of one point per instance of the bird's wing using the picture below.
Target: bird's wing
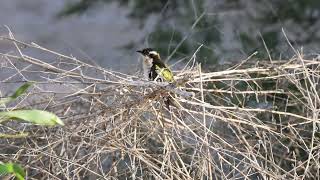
(165, 73)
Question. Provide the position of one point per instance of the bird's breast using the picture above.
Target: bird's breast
(147, 62)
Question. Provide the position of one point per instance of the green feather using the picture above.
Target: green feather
(165, 73)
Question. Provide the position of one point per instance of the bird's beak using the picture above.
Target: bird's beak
(139, 51)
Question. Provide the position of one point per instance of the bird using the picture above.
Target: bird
(154, 69)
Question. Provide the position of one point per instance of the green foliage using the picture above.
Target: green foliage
(12, 168)
(300, 11)
(33, 116)
(76, 8)
(141, 8)
(21, 90)
(271, 39)
(176, 17)
(166, 37)
(165, 40)
(251, 44)
(248, 43)
(207, 56)
(269, 21)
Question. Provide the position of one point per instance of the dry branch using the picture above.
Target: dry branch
(251, 121)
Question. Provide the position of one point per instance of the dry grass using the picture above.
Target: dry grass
(255, 120)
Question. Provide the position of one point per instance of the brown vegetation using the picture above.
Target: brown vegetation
(257, 119)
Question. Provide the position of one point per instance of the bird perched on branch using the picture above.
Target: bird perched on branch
(156, 70)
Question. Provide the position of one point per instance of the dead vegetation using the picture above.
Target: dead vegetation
(255, 120)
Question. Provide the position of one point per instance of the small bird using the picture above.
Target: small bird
(154, 68)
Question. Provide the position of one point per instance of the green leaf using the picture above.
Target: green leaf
(34, 116)
(12, 168)
(21, 90)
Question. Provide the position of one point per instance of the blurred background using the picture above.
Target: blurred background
(108, 32)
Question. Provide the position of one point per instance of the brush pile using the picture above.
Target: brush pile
(255, 120)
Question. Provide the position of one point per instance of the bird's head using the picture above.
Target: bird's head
(149, 55)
